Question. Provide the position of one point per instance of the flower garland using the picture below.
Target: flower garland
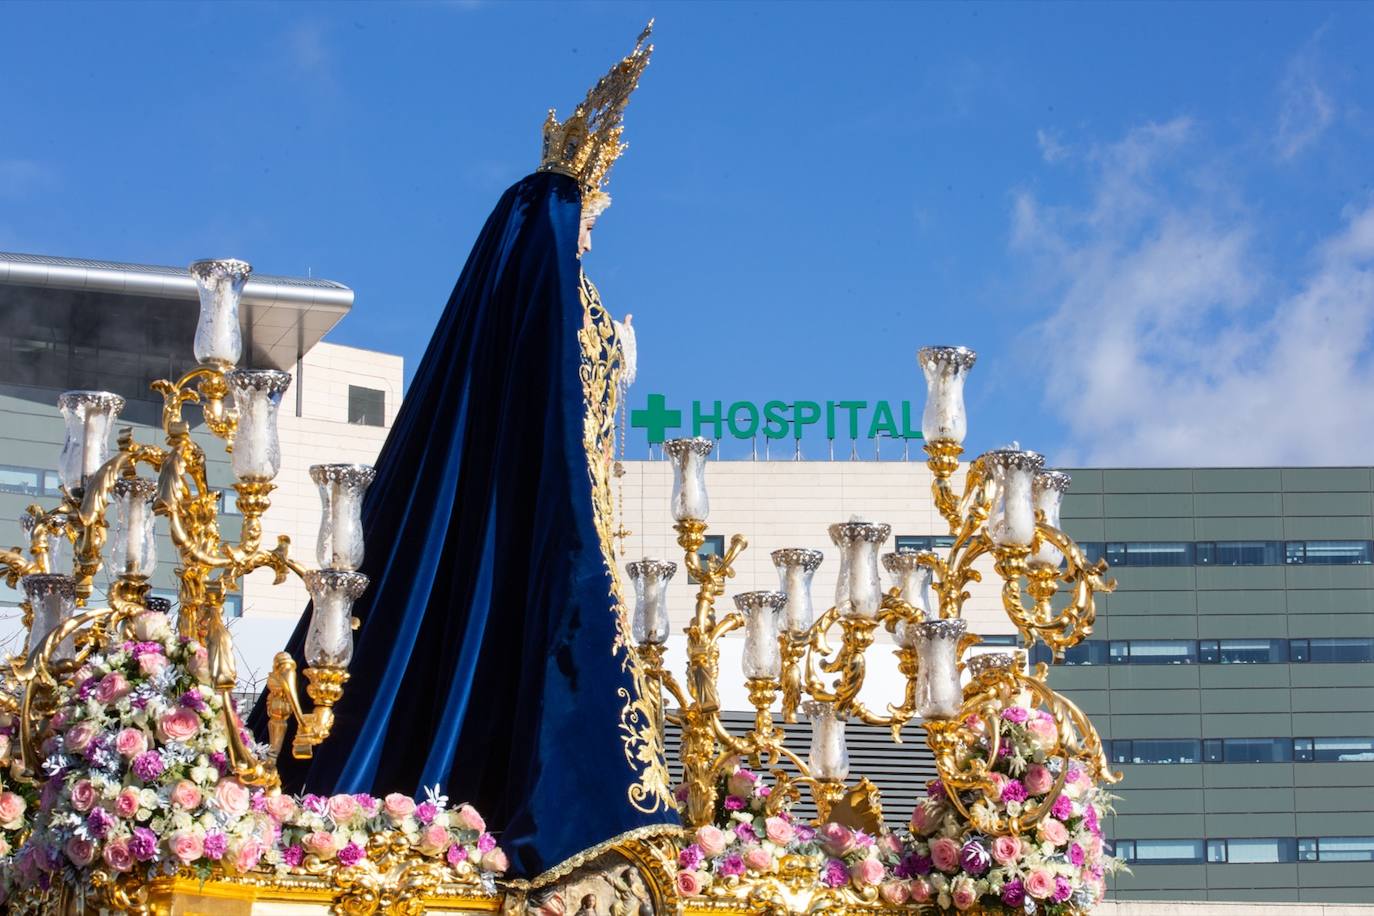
(1056, 867)
(17, 800)
(138, 780)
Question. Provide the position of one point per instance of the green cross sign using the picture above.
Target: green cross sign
(656, 418)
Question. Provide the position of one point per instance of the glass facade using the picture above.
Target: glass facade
(1246, 850)
(1328, 650)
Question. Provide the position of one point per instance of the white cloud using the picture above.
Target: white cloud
(1050, 146)
(1305, 108)
(1171, 344)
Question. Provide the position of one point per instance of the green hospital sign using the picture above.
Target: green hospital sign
(776, 419)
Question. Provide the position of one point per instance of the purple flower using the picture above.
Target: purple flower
(99, 822)
(691, 857)
(486, 843)
(1076, 854)
(835, 874)
(935, 789)
(974, 858)
(315, 804)
(1014, 791)
(1062, 808)
(425, 811)
(862, 840)
(259, 801)
(456, 854)
(1014, 893)
(143, 844)
(215, 845)
(917, 863)
(731, 865)
(805, 832)
(351, 855)
(1063, 890)
(1004, 749)
(192, 699)
(1075, 773)
(746, 833)
(220, 761)
(734, 803)
(367, 802)
(148, 766)
(293, 855)
(1015, 714)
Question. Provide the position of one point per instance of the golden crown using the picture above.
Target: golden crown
(587, 144)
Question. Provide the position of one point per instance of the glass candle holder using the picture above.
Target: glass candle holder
(89, 417)
(342, 487)
(859, 593)
(762, 654)
(133, 546)
(60, 550)
(914, 581)
(796, 568)
(649, 623)
(990, 661)
(938, 694)
(257, 396)
(219, 340)
(829, 757)
(1048, 489)
(329, 641)
(945, 370)
(157, 605)
(53, 600)
(689, 478)
(1012, 520)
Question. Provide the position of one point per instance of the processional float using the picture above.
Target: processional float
(130, 783)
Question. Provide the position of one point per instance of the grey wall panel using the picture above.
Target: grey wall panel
(1086, 529)
(1148, 529)
(1236, 480)
(1160, 801)
(1153, 677)
(1246, 725)
(1175, 601)
(1240, 577)
(1335, 504)
(1242, 601)
(1337, 875)
(1157, 776)
(1245, 700)
(1333, 799)
(1337, 677)
(1081, 505)
(1325, 699)
(1153, 702)
(1327, 775)
(1260, 824)
(1147, 480)
(1239, 529)
(1242, 677)
(1247, 775)
(1242, 876)
(1148, 505)
(1300, 577)
(1336, 724)
(1334, 823)
(1328, 528)
(1176, 626)
(1331, 601)
(1086, 480)
(1246, 801)
(1226, 626)
(1308, 480)
(1159, 826)
(1326, 625)
(1162, 579)
(1157, 726)
(1223, 505)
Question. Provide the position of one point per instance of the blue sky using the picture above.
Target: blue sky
(1154, 222)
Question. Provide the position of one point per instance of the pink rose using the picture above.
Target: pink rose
(151, 626)
(758, 859)
(1040, 884)
(320, 844)
(186, 794)
(397, 806)
(130, 742)
(923, 821)
(150, 665)
(245, 855)
(837, 839)
(117, 855)
(111, 687)
(711, 839)
(1053, 831)
(232, 797)
(12, 809)
(83, 795)
(867, 871)
(280, 807)
(964, 895)
(126, 803)
(434, 839)
(494, 861)
(944, 852)
(343, 808)
(895, 892)
(1006, 849)
(1038, 779)
(688, 883)
(741, 784)
(81, 852)
(199, 665)
(1094, 849)
(178, 725)
(79, 737)
(920, 890)
(779, 830)
(1043, 731)
(469, 819)
(186, 845)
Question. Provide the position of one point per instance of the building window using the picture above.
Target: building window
(1161, 852)
(1307, 849)
(1243, 651)
(910, 543)
(1156, 750)
(366, 406)
(1333, 750)
(1153, 651)
(1216, 851)
(1345, 849)
(1237, 553)
(1154, 553)
(1257, 750)
(713, 546)
(1335, 650)
(1260, 851)
(1329, 553)
(24, 481)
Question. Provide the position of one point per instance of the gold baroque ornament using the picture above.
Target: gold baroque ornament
(640, 716)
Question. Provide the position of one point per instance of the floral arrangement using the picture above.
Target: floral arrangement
(17, 800)
(1056, 867)
(138, 780)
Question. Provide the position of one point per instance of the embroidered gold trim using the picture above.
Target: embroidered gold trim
(602, 363)
(572, 863)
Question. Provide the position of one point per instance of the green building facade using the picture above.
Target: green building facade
(1232, 677)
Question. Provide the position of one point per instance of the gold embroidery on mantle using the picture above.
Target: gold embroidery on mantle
(602, 363)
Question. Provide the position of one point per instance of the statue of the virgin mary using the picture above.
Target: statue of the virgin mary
(493, 659)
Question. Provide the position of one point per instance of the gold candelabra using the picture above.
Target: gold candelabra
(67, 544)
(1007, 511)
